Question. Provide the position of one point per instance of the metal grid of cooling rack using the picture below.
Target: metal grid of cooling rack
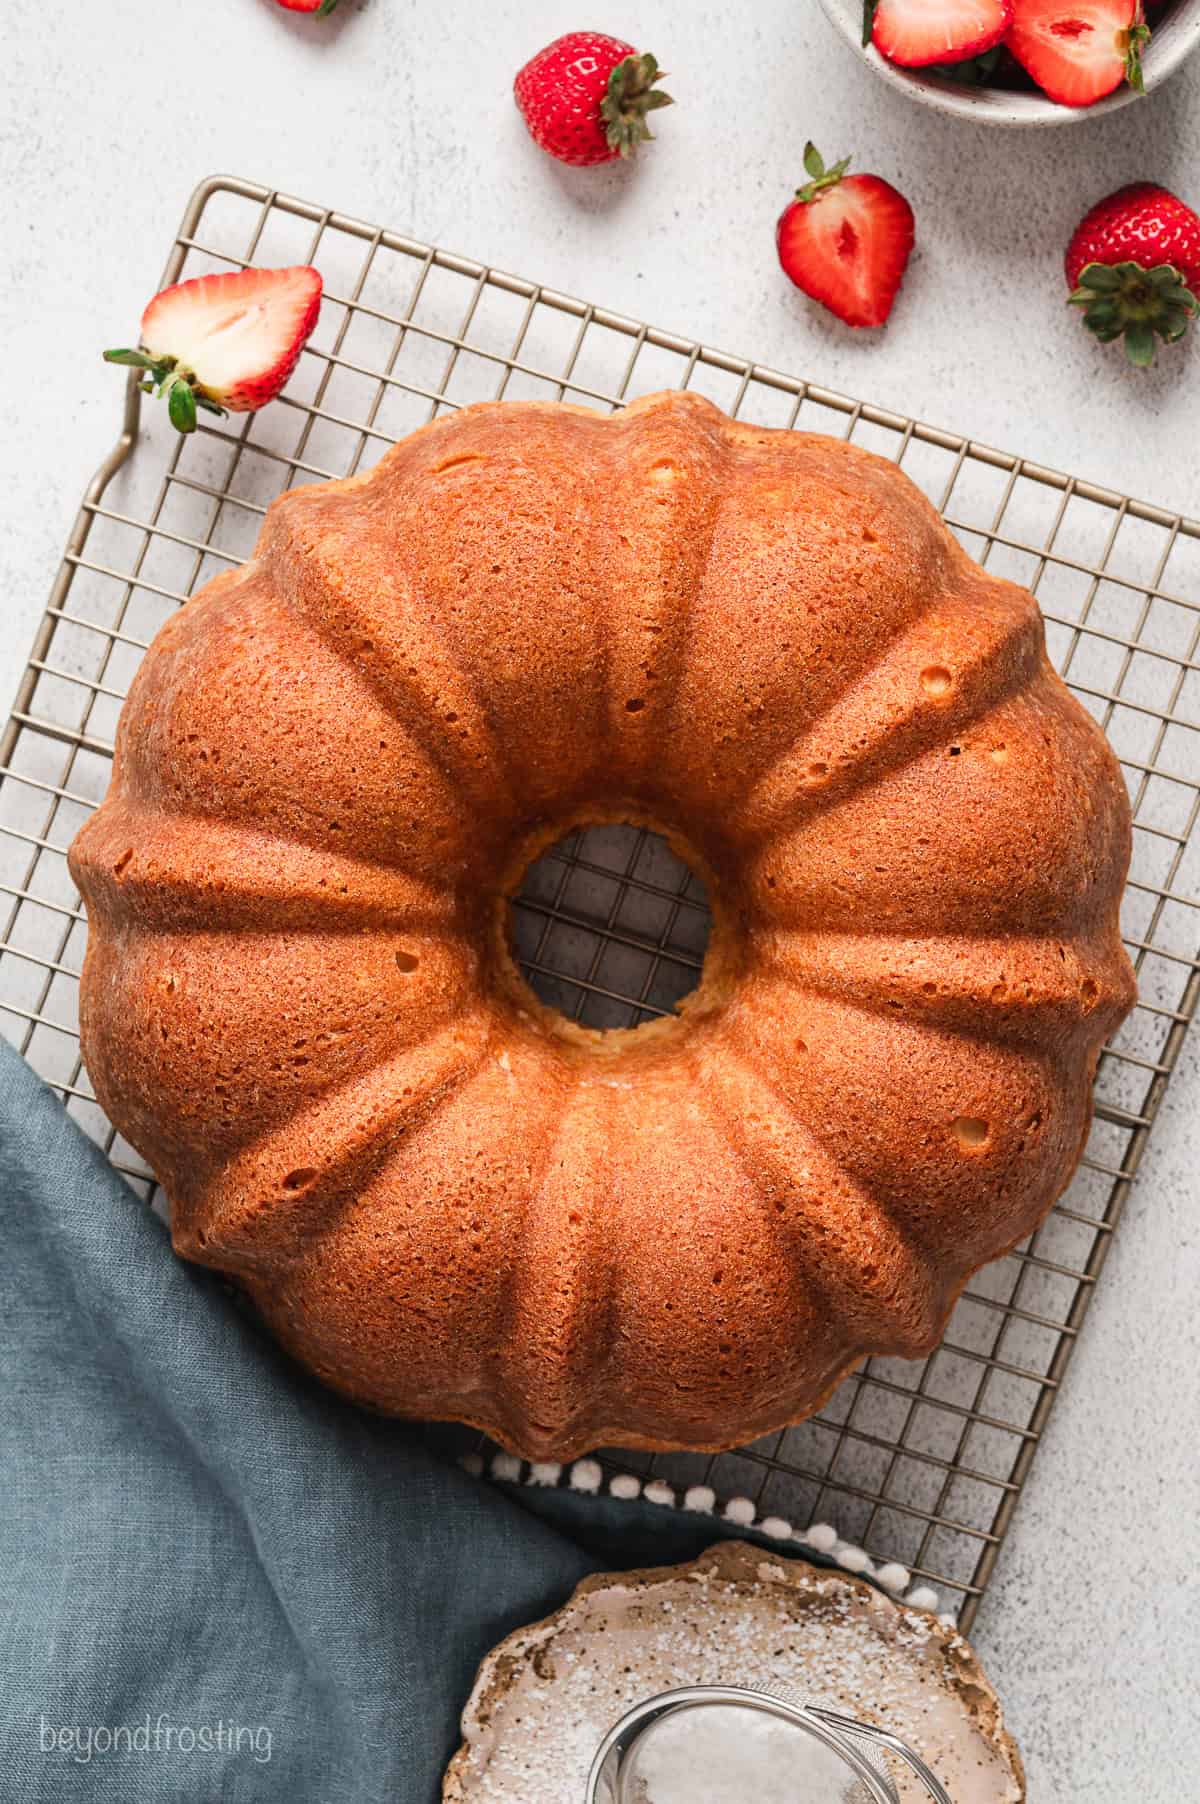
(918, 1461)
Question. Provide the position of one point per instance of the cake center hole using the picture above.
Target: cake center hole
(610, 927)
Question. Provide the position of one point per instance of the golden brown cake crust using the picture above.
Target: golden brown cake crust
(334, 767)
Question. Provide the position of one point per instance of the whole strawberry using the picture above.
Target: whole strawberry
(1133, 265)
(226, 343)
(585, 97)
(322, 8)
(846, 240)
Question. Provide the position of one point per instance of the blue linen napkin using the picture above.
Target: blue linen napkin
(216, 1579)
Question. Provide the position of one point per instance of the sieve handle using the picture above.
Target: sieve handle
(884, 1739)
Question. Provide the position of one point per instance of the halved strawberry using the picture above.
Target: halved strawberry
(1077, 53)
(226, 343)
(846, 240)
(914, 33)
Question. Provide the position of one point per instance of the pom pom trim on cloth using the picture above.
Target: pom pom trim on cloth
(587, 1476)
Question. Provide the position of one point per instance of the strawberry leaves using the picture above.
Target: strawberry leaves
(164, 377)
(1123, 300)
(814, 166)
(870, 8)
(972, 70)
(181, 406)
(140, 360)
(629, 96)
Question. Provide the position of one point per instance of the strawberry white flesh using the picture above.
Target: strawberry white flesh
(914, 33)
(238, 335)
(1076, 53)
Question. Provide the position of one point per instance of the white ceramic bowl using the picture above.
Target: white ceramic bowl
(1178, 34)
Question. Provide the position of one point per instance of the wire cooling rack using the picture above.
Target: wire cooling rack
(919, 1461)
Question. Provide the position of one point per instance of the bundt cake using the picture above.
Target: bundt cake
(334, 766)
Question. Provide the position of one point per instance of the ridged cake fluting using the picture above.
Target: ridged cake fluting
(334, 767)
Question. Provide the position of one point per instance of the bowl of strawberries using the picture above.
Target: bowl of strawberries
(1020, 62)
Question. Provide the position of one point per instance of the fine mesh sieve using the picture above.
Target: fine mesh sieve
(749, 1743)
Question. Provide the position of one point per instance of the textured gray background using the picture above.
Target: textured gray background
(400, 112)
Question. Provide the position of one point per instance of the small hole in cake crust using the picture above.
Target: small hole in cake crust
(122, 861)
(634, 705)
(813, 773)
(452, 463)
(970, 1131)
(663, 471)
(1089, 991)
(999, 991)
(407, 962)
(801, 1046)
(936, 680)
(299, 1179)
(999, 754)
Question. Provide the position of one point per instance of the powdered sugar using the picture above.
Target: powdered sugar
(721, 1755)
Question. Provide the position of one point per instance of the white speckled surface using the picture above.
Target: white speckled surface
(400, 111)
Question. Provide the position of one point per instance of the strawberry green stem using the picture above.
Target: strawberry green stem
(1136, 39)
